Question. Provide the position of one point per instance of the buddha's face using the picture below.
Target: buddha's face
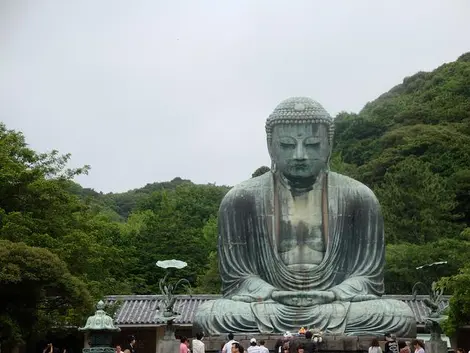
(300, 151)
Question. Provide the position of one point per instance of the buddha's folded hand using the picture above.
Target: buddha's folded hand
(302, 299)
(363, 297)
(253, 290)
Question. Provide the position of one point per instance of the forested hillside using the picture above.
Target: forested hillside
(63, 246)
(412, 147)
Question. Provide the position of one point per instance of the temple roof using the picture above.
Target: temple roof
(140, 310)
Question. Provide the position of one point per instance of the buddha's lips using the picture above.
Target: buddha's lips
(305, 162)
(300, 166)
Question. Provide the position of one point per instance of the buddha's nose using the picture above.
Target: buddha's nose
(299, 154)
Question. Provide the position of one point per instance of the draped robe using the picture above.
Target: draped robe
(352, 266)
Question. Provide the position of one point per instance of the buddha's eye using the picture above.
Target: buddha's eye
(312, 142)
(287, 145)
(287, 142)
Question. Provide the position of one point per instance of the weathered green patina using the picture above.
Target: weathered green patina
(100, 328)
(301, 245)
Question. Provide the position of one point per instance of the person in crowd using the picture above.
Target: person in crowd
(418, 346)
(279, 344)
(197, 344)
(228, 346)
(184, 345)
(50, 349)
(130, 348)
(391, 346)
(375, 346)
(237, 348)
(253, 348)
(404, 348)
(306, 341)
(262, 348)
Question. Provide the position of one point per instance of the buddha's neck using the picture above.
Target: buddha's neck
(302, 186)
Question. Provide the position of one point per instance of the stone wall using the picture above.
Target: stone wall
(330, 343)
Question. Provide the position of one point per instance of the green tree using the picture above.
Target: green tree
(459, 285)
(39, 209)
(402, 259)
(209, 281)
(417, 204)
(38, 292)
(260, 171)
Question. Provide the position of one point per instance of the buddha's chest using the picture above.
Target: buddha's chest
(300, 238)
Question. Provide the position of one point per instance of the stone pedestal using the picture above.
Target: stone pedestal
(168, 344)
(436, 346)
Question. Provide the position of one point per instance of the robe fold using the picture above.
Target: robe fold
(352, 268)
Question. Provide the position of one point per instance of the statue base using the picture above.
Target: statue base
(330, 343)
(168, 344)
(436, 346)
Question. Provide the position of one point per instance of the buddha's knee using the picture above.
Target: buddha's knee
(382, 307)
(396, 308)
(224, 315)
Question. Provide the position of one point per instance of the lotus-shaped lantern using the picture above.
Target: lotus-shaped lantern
(168, 289)
(172, 264)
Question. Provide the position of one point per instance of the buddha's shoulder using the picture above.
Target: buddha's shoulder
(350, 185)
(250, 188)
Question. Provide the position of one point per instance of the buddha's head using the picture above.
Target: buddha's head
(299, 136)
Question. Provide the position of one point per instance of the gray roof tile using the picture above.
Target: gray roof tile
(140, 310)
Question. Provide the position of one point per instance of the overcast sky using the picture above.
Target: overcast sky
(147, 90)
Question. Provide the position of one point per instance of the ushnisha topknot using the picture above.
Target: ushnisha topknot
(299, 110)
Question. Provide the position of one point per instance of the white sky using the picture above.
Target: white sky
(148, 90)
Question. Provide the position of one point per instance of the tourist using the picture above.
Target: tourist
(375, 346)
(300, 348)
(228, 346)
(418, 345)
(306, 342)
(197, 344)
(391, 346)
(118, 349)
(263, 349)
(279, 344)
(404, 348)
(50, 349)
(286, 347)
(253, 348)
(184, 345)
(237, 348)
(130, 348)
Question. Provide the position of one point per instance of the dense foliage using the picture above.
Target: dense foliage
(412, 147)
(62, 246)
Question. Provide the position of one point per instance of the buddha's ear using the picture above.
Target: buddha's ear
(270, 151)
(269, 143)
